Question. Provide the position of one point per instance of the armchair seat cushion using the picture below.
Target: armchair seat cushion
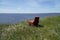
(30, 22)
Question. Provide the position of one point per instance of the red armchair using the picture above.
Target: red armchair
(34, 22)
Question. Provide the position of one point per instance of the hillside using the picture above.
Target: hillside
(22, 31)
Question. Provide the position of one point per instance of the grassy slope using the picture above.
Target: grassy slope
(22, 31)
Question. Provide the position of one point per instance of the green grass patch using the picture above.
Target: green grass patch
(22, 31)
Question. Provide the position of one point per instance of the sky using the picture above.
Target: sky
(29, 6)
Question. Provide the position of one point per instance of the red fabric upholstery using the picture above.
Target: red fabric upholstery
(30, 22)
(35, 21)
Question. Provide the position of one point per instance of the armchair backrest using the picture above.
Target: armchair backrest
(36, 20)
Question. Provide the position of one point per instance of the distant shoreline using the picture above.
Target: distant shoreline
(15, 18)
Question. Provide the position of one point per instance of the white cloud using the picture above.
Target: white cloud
(30, 6)
(19, 10)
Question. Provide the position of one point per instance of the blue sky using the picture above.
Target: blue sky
(29, 6)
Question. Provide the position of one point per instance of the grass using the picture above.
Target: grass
(22, 31)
